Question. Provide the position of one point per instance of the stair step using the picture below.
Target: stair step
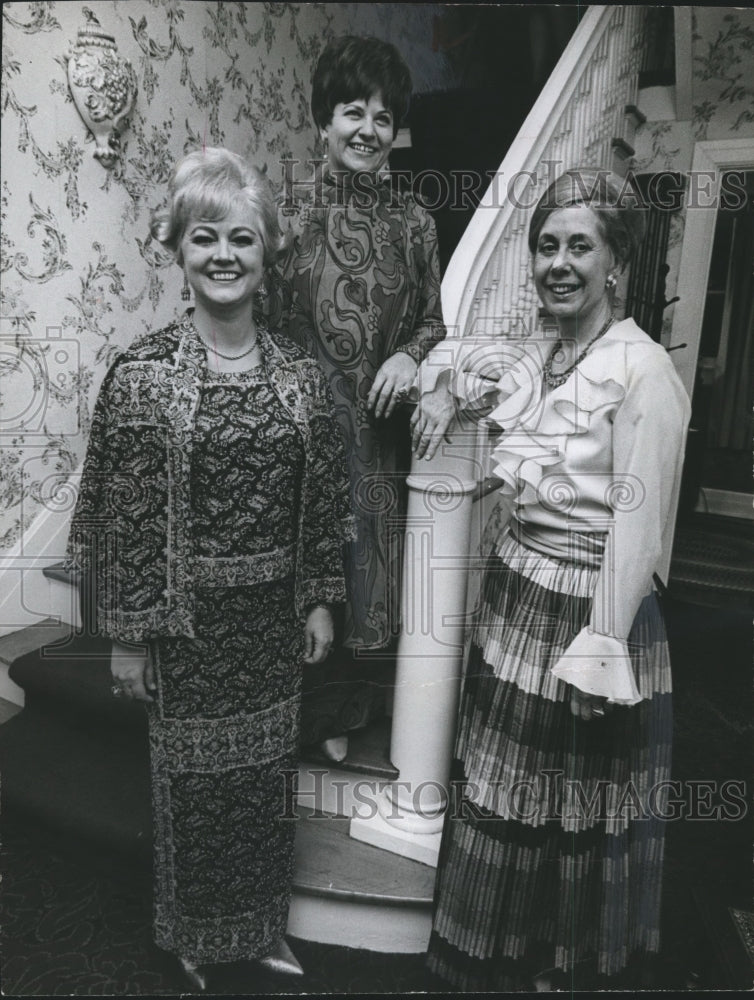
(622, 148)
(67, 688)
(72, 764)
(631, 111)
(351, 787)
(44, 633)
(71, 678)
(330, 863)
(62, 671)
(656, 78)
(84, 786)
(354, 895)
(62, 572)
(8, 709)
(368, 752)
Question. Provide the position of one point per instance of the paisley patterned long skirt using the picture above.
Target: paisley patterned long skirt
(224, 728)
(223, 739)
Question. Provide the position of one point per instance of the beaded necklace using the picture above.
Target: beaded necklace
(553, 381)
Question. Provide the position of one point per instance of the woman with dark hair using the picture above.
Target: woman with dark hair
(363, 296)
(211, 516)
(552, 851)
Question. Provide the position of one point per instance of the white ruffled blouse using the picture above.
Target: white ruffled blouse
(601, 455)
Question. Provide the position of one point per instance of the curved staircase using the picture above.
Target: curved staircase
(76, 762)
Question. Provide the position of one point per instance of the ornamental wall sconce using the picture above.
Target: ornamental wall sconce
(103, 87)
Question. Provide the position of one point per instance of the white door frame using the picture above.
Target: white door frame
(712, 157)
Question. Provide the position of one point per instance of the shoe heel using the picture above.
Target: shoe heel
(194, 979)
(282, 960)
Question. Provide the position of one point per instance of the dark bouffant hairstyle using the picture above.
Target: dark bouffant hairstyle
(352, 68)
(204, 184)
(615, 201)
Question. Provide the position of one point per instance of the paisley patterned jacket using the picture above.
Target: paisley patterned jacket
(132, 522)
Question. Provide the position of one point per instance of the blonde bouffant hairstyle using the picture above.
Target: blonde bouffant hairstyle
(204, 185)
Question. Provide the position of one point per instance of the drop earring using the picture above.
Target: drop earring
(186, 291)
(610, 282)
(260, 302)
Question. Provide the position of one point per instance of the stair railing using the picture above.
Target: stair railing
(579, 119)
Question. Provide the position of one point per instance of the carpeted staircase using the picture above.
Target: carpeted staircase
(76, 764)
(76, 759)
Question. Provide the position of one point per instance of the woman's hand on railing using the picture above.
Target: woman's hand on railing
(431, 419)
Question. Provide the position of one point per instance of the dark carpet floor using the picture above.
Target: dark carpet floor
(77, 922)
(80, 924)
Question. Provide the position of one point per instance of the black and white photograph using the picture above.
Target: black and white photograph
(376, 498)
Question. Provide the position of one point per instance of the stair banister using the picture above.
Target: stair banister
(486, 293)
(491, 219)
(570, 121)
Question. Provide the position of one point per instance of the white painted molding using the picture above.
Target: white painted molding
(714, 157)
(375, 830)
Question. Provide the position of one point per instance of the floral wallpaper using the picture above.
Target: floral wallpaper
(723, 72)
(722, 108)
(80, 275)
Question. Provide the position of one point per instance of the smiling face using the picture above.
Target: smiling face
(359, 136)
(224, 259)
(572, 261)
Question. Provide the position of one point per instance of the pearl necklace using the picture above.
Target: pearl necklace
(553, 381)
(231, 357)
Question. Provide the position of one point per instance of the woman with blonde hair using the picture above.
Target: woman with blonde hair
(211, 517)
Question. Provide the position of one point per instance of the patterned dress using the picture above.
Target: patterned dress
(553, 844)
(362, 283)
(225, 725)
(213, 510)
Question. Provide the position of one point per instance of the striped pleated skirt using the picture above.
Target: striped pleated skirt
(553, 844)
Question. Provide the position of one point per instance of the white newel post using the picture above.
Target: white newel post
(441, 492)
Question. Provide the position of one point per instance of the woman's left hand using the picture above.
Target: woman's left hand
(588, 706)
(319, 633)
(391, 384)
